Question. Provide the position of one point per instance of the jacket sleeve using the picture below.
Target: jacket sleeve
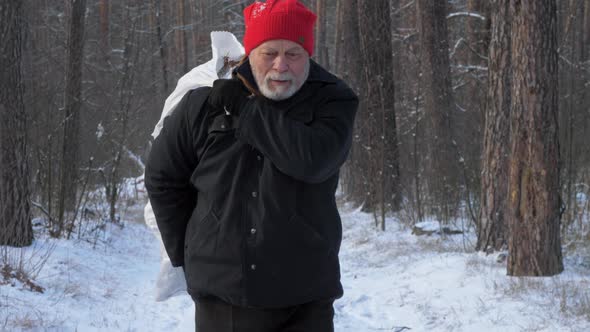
(307, 152)
(170, 164)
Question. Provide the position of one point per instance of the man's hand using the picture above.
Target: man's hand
(228, 95)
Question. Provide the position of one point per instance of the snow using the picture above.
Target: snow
(102, 287)
(429, 225)
(99, 131)
(393, 281)
(468, 14)
(470, 67)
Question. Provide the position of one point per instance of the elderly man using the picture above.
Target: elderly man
(242, 182)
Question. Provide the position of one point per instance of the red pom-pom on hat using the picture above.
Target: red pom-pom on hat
(278, 19)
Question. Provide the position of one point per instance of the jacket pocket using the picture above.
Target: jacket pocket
(201, 243)
(203, 239)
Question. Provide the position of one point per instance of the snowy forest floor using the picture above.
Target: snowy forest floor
(393, 281)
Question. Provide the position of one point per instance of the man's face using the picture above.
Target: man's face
(280, 68)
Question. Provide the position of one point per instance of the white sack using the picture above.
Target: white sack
(171, 281)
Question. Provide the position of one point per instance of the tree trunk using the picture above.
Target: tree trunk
(580, 114)
(180, 34)
(348, 44)
(439, 105)
(472, 97)
(130, 57)
(15, 216)
(494, 175)
(377, 62)
(534, 241)
(477, 30)
(195, 19)
(353, 180)
(104, 28)
(321, 48)
(575, 99)
(586, 40)
(73, 93)
(586, 101)
(161, 46)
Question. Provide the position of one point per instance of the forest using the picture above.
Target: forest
(473, 113)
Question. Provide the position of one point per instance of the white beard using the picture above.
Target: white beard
(279, 93)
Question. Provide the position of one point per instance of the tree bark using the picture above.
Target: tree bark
(439, 105)
(574, 106)
(196, 19)
(586, 40)
(534, 242)
(377, 62)
(15, 215)
(161, 46)
(72, 105)
(180, 34)
(494, 175)
(321, 48)
(353, 180)
(104, 9)
(477, 30)
(586, 101)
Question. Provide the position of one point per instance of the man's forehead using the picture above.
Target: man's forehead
(281, 44)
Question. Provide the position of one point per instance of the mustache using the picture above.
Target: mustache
(280, 77)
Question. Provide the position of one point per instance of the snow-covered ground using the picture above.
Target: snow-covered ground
(393, 281)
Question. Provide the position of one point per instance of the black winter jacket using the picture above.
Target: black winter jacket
(249, 209)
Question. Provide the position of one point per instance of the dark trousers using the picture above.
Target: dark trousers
(214, 315)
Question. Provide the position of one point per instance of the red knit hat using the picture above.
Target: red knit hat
(278, 19)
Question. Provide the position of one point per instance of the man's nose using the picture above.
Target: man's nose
(280, 64)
